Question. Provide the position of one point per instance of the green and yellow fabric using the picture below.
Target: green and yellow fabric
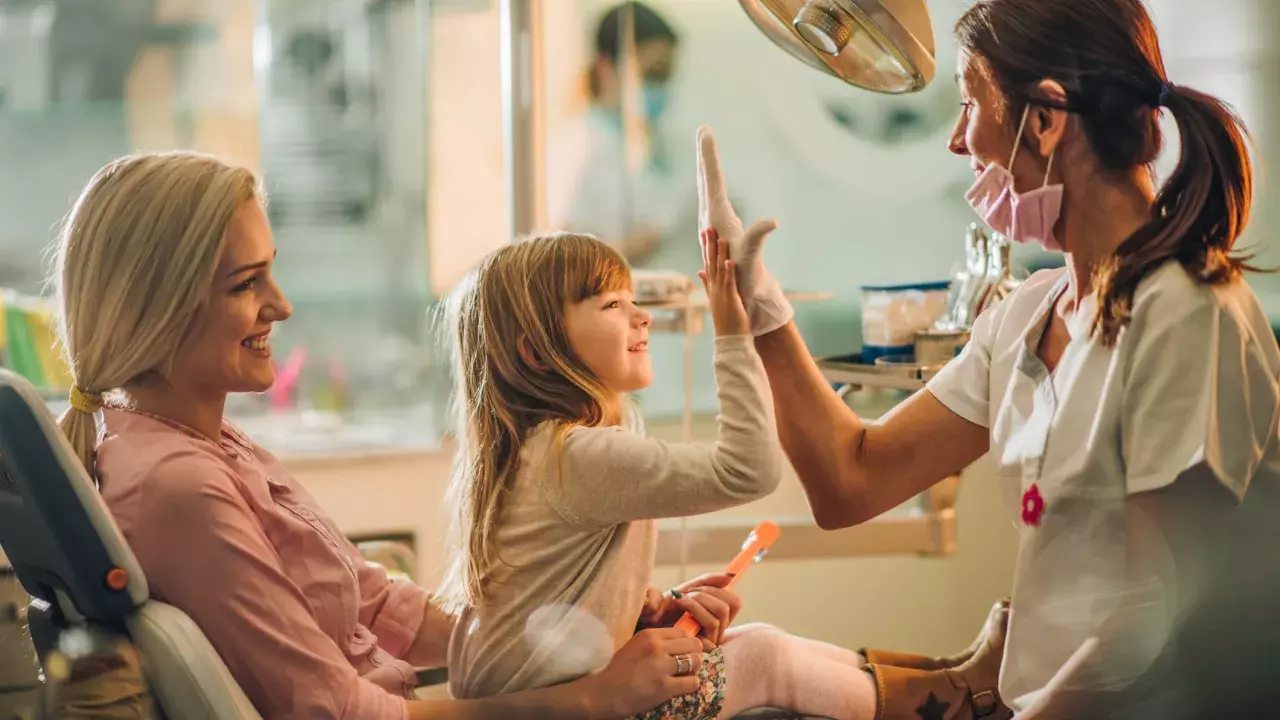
(28, 342)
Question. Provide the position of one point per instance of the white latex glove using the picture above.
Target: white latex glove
(766, 305)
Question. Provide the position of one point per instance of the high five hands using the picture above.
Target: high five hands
(767, 306)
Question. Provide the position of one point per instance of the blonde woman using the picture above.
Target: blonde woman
(557, 501)
(164, 278)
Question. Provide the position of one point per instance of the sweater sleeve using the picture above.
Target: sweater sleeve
(607, 476)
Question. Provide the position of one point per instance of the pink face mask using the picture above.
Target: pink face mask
(1022, 217)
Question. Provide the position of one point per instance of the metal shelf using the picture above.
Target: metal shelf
(850, 370)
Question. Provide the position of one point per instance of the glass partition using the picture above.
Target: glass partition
(328, 100)
(341, 92)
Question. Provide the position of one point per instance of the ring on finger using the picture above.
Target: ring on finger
(684, 665)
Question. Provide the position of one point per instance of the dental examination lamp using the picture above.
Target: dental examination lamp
(880, 45)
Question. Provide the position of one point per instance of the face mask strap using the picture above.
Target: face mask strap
(1018, 140)
(1022, 125)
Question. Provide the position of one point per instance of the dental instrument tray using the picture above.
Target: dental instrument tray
(892, 372)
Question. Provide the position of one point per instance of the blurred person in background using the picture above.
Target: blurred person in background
(609, 171)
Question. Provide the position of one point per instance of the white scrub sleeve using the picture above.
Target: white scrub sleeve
(964, 384)
(1200, 387)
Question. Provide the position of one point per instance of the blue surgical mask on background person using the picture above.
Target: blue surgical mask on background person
(655, 97)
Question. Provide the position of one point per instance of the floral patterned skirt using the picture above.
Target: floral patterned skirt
(703, 704)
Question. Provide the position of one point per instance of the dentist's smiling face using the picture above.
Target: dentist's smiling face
(228, 349)
(609, 333)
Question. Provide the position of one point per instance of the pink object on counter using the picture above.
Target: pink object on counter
(283, 392)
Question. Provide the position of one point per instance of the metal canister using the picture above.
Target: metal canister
(937, 347)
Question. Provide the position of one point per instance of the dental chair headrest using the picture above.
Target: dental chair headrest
(54, 527)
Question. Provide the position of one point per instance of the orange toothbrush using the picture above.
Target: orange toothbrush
(754, 548)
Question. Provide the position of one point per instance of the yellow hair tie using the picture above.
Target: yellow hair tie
(87, 403)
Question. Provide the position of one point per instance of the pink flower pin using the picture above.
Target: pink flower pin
(1032, 506)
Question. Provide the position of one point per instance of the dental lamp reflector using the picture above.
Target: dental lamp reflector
(880, 45)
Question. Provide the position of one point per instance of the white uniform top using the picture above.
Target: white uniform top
(589, 189)
(1191, 383)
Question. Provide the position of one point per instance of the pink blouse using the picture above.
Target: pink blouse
(225, 533)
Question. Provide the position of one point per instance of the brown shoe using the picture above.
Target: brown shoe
(928, 662)
(955, 688)
(909, 661)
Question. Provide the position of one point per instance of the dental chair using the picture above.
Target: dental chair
(69, 556)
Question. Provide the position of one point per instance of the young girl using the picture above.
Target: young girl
(556, 501)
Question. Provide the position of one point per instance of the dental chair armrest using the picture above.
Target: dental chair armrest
(432, 676)
(396, 557)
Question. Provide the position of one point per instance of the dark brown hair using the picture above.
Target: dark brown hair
(1106, 56)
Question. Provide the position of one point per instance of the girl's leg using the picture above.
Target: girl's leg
(834, 653)
(765, 667)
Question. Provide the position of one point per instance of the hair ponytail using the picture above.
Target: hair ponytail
(81, 430)
(1197, 216)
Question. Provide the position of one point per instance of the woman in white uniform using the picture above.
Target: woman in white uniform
(1129, 400)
